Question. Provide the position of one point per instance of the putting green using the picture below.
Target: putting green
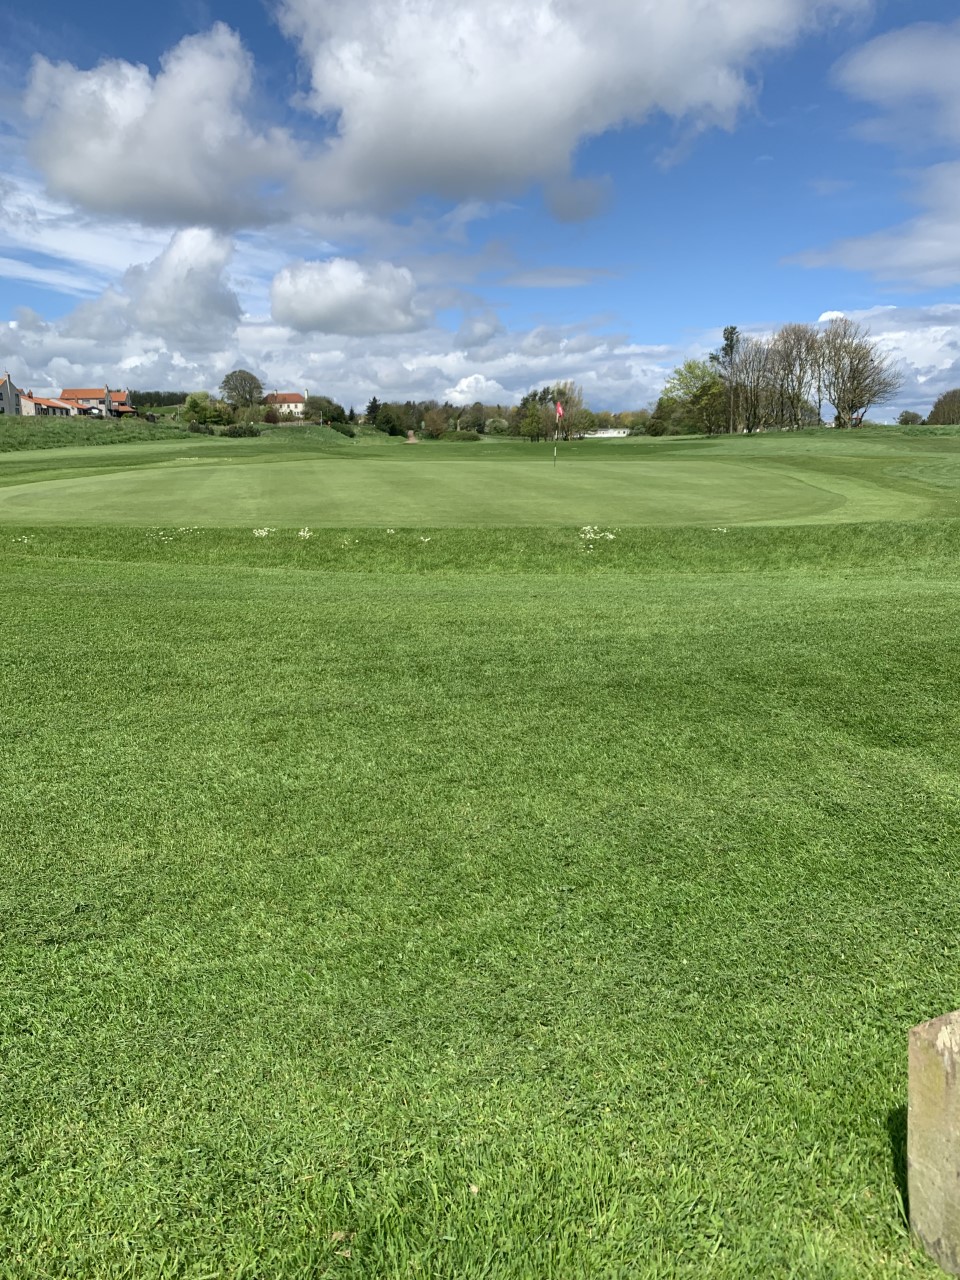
(731, 484)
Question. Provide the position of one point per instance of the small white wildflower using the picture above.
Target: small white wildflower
(424, 539)
(304, 533)
(391, 531)
(263, 533)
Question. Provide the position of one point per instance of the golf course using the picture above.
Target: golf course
(437, 861)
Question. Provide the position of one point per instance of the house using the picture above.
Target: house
(98, 402)
(9, 396)
(15, 401)
(291, 402)
(44, 406)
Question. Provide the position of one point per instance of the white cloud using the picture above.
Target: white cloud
(173, 148)
(342, 296)
(911, 76)
(467, 101)
(903, 72)
(485, 96)
(478, 387)
(109, 341)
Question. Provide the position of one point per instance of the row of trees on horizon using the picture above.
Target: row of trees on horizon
(783, 382)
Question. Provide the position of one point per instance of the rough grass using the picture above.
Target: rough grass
(502, 909)
(18, 434)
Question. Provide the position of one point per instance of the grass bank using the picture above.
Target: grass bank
(17, 434)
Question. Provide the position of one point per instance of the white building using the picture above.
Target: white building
(97, 402)
(10, 396)
(286, 402)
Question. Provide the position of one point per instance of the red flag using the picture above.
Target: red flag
(559, 410)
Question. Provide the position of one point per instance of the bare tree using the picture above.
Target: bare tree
(794, 369)
(855, 374)
(750, 373)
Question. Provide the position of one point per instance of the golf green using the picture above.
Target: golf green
(822, 480)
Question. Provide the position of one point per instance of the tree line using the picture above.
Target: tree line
(534, 418)
(945, 412)
(782, 382)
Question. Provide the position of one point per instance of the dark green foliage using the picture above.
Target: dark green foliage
(201, 428)
(240, 430)
(461, 435)
(946, 410)
(322, 408)
(395, 420)
(157, 399)
(909, 419)
(344, 428)
(373, 409)
(241, 388)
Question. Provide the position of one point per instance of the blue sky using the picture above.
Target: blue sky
(402, 200)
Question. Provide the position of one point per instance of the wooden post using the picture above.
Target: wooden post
(933, 1139)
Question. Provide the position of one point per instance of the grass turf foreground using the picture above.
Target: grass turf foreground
(477, 919)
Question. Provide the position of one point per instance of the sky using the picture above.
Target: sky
(416, 199)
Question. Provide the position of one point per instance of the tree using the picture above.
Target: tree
(794, 368)
(694, 399)
(946, 410)
(909, 419)
(855, 373)
(757, 400)
(322, 408)
(197, 407)
(394, 419)
(373, 408)
(725, 359)
(242, 388)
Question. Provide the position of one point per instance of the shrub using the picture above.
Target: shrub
(271, 416)
(343, 427)
(238, 430)
(460, 435)
(199, 428)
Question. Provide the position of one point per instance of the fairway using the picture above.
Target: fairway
(458, 901)
(852, 478)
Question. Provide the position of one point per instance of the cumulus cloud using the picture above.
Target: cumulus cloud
(910, 76)
(407, 100)
(448, 99)
(342, 296)
(478, 387)
(170, 148)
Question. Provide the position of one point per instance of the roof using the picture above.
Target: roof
(51, 404)
(120, 397)
(284, 397)
(83, 393)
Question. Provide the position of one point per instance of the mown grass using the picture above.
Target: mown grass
(296, 478)
(502, 908)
